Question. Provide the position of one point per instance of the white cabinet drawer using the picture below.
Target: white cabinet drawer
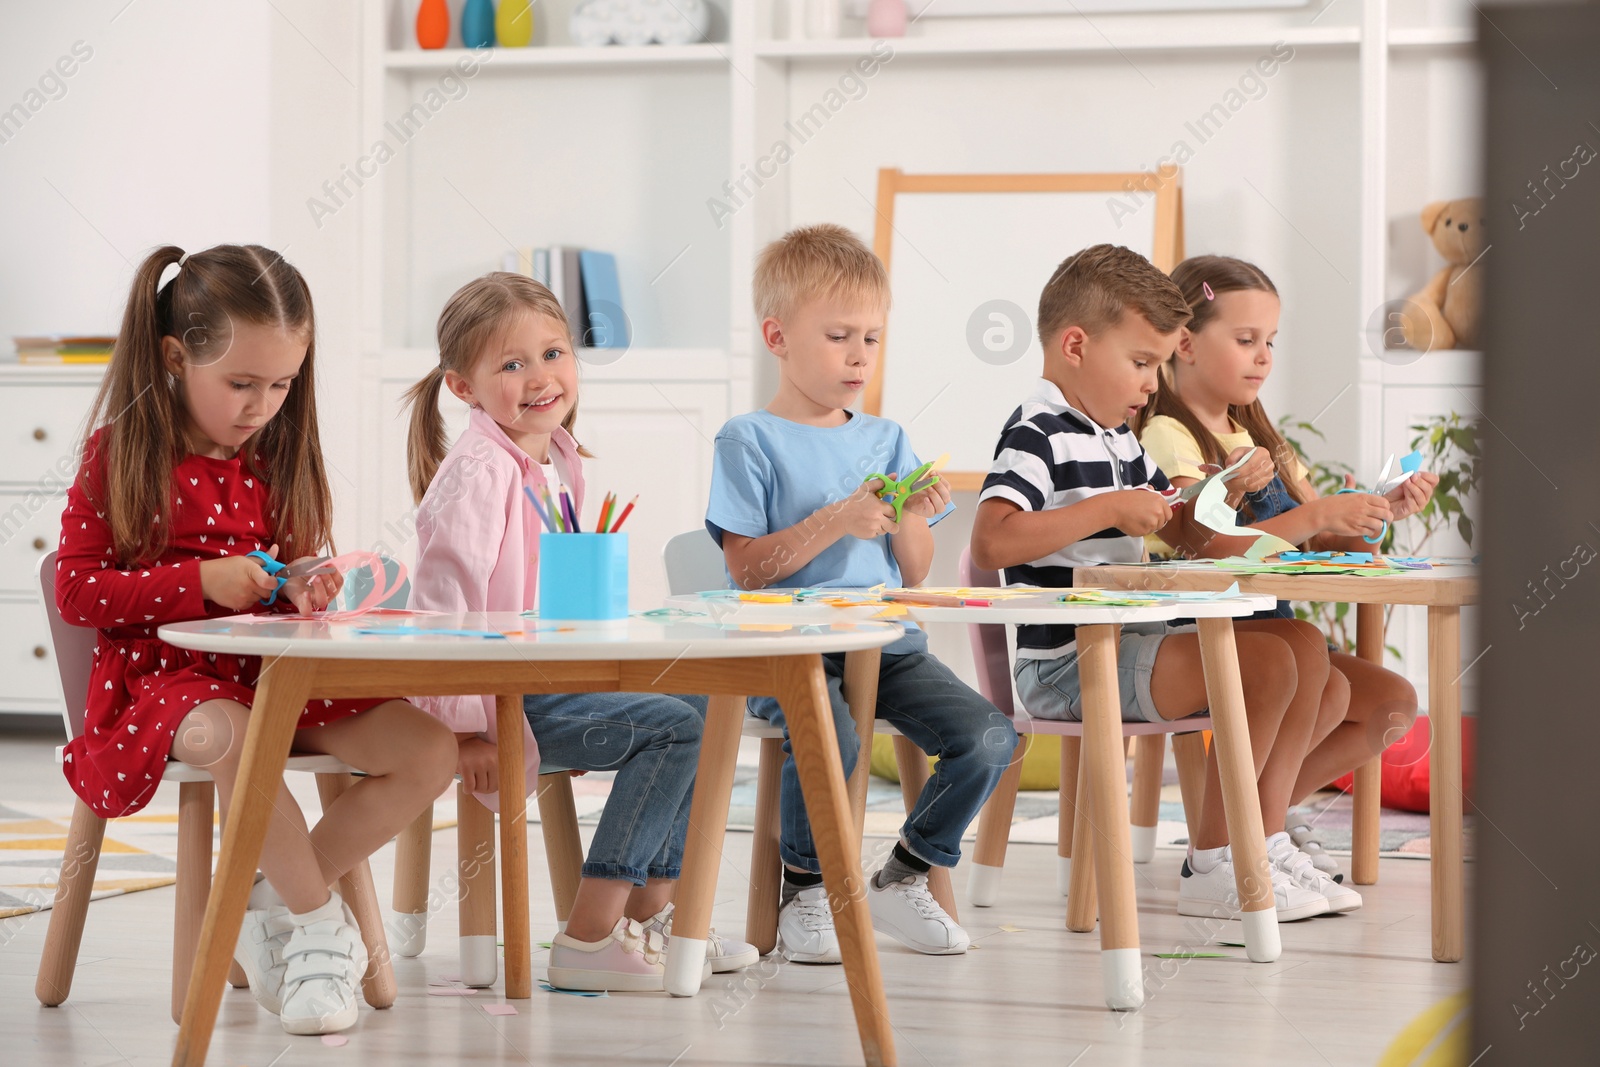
(27, 660)
(30, 526)
(40, 429)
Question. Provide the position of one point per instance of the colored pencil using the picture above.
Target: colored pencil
(555, 512)
(934, 600)
(571, 513)
(625, 512)
(605, 512)
(537, 510)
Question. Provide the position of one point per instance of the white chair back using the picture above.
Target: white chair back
(694, 563)
(73, 647)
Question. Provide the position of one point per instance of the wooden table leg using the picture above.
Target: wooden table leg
(1230, 735)
(861, 693)
(1366, 792)
(1103, 762)
(280, 696)
(994, 832)
(1444, 781)
(702, 848)
(514, 847)
(914, 774)
(803, 694)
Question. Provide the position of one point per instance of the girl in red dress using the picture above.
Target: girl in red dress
(203, 447)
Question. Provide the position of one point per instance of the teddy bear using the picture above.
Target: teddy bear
(1445, 313)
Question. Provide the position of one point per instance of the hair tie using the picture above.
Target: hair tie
(182, 260)
(1205, 287)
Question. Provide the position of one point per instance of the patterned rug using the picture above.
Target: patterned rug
(140, 852)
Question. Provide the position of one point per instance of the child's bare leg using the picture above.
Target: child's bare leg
(1177, 685)
(409, 758)
(1382, 707)
(1277, 776)
(597, 906)
(211, 737)
(648, 899)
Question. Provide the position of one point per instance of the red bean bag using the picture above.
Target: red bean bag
(1406, 762)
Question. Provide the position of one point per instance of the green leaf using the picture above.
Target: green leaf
(1464, 525)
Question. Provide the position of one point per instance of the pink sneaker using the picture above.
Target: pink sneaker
(630, 960)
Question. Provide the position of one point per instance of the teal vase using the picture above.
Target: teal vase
(477, 24)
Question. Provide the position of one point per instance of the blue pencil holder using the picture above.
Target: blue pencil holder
(583, 576)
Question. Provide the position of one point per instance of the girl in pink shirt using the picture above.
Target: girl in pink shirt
(505, 350)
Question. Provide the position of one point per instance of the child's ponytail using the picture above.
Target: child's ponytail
(426, 445)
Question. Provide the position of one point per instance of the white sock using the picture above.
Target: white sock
(333, 909)
(1205, 860)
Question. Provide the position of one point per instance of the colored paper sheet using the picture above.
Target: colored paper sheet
(1211, 510)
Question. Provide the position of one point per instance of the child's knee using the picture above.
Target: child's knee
(1267, 664)
(1335, 701)
(211, 736)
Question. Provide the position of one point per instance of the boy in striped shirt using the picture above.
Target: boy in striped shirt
(1072, 487)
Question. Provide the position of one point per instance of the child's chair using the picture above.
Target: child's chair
(993, 662)
(74, 652)
(694, 564)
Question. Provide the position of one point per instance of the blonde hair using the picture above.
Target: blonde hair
(474, 319)
(1201, 279)
(136, 428)
(825, 261)
(1092, 289)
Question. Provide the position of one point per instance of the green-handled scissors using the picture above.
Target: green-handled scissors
(896, 493)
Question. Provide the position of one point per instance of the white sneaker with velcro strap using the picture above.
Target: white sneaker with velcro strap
(259, 953)
(324, 961)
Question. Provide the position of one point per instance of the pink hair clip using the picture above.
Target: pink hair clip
(1205, 287)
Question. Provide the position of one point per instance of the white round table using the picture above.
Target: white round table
(1097, 634)
(509, 655)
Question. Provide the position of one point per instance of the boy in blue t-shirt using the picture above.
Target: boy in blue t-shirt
(791, 507)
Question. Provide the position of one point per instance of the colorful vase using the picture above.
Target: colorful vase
(886, 18)
(433, 24)
(513, 23)
(477, 24)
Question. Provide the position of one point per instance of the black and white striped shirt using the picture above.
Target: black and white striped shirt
(1051, 455)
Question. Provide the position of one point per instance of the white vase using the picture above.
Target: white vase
(824, 19)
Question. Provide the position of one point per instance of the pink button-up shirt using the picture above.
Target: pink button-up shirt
(478, 550)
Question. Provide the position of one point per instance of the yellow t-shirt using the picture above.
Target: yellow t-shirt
(1179, 455)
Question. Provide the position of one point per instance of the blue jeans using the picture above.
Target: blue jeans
(939, 713)
(653, 743)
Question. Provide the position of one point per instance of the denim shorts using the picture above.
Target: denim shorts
(1052, 689)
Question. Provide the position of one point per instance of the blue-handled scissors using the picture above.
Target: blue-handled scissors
(282, 572)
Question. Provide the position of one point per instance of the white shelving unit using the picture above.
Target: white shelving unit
(730, 98)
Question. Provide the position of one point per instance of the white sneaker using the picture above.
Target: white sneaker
(723, 953)
(805, 928)
(325, 961)
(259, 953)
(1302, 871)
(1305, 839)
(907, 912)
(1216, 895)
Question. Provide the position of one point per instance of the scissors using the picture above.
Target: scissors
(284, 571)
(1409, 465)
(896, 493)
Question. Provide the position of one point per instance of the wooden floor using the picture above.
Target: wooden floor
(1028, 993)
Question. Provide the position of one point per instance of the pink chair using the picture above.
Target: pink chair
(993, 661)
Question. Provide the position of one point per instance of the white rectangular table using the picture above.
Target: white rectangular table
(315, 659)
(1099, 627)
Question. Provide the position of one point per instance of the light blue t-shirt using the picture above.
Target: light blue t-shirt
(770, 473)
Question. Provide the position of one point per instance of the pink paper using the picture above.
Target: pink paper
(335, 1040)
(499, 1009)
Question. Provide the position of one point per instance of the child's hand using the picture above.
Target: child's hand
(864, 515)
(1412, 495)
(1138, 511)
(312, 593)
(1354, 514)
(929, 501)
(236, 582)
(478, 764)
(1255, 475)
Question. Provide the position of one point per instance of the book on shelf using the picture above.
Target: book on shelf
(64, 348)
(585, 282)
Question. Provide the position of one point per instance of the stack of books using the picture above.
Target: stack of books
(585, 282)
(59, 349)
